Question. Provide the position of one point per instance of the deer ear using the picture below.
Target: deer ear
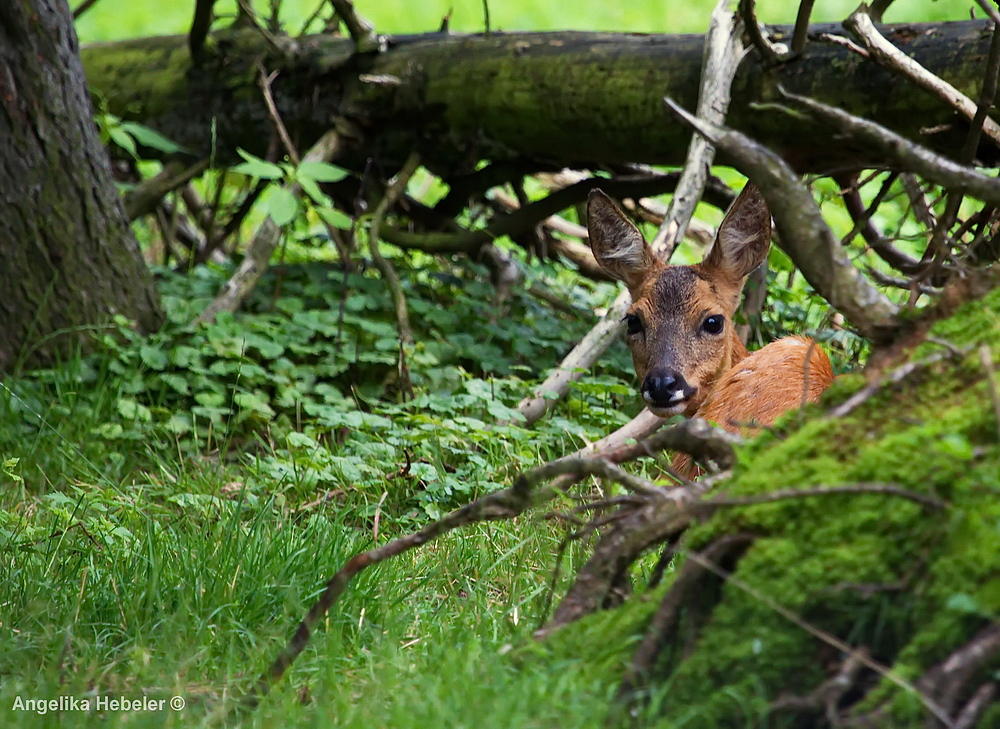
(744, 236)
(617, 244)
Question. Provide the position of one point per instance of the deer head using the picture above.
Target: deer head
(680, 324)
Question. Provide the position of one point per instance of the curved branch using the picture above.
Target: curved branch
(902, 152)
(802, 232)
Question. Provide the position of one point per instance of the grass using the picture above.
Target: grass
(170, 508)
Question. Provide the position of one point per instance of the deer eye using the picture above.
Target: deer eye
(634, 323)
(714, 324)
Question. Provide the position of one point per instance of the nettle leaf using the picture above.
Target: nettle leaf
(132, 410)
(123, 139)
(282, 206)
(257, 167)
(320, 171)
(312, 190)
(153, 357)
(151, 138)
(334, 217)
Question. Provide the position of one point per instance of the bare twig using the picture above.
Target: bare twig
(83, 7)
(861, 215)
(361, 31)
(504, 504)
(723, 53)
(265, 81)
(986, 357)
(803, 233)
(801, 32)
(898, 375)
(899, 150)
(143, 198)
(765, 47)
(200, 25)
(975, 707)
(889, 489)
(827, 695)
(990, 10)
(387, 270)
(888, 55)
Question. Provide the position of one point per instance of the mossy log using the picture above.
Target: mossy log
(916, 590)
(555, 99)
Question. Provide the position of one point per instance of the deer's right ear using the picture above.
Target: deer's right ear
(617, 244)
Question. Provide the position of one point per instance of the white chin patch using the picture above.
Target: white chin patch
(675, 406)
(666, 412)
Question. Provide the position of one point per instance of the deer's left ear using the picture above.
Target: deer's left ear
(617, 244)
(744, 236)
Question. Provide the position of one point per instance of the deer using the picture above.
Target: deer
(686, 352)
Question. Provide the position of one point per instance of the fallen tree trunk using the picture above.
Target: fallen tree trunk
(553, 99)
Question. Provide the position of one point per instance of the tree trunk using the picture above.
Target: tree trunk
(553, 99)
(68, 258)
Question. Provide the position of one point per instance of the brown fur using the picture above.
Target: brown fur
(672, 303)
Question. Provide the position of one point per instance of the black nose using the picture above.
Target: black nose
(665, 388)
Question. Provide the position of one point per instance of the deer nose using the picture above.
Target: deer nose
(666, 389)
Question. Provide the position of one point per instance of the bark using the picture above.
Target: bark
(565, 99)
(68, 259)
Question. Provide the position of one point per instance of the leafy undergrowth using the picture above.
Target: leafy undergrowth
(910, 584)
(172, 506)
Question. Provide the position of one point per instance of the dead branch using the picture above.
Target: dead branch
(886, 54)
(524, 494)
(622, 544)
(694, 436)
(264, 81)
(144, 197)
(664, 622)
(901, 151)
(360, 30)
(385, 268)
(769, 53)
(203, 17)
(975, 707)
(948, 679)
(803, 233)
(801, 32)
(986, 357)
(894, 378)
(723, 53)
(83, 7)
(826, 697)
(258, 255)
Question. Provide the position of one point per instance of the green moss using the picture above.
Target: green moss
(909, 583)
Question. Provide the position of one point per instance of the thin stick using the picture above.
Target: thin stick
(389, 275)
(360, 30)
(986, 357)
(723, 53)
(265, 81)
(855, 488)
(801, 32)
(888, 55)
